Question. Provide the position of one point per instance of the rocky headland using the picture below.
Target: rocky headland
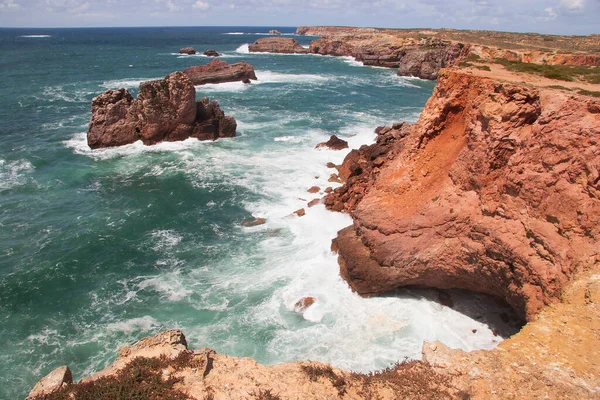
(165, 110)
(277, 45)
(219, 71)
(423, 52)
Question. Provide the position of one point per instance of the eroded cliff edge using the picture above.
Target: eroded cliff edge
(496, 189)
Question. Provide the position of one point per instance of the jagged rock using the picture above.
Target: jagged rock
(165, 110)
(360, 167)
(211, 53)
(498, 180)
(218, 71)
(313, 189)
(301, 212)
(277, 45)
(187, 50)
(52, 382)
(334, 143)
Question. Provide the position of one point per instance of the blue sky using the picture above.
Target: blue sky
(547, 16)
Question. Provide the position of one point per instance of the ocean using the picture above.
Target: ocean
(99, 248)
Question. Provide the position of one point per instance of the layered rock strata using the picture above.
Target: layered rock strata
(277, 45)
(422, 53)
(218, 71)
(496, 190)
(165, 110)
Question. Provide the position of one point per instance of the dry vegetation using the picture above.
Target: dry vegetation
(406, 379)
(141, 379)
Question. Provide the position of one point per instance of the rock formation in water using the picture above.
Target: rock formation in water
(274, 32)
(218, 71)
(211, 53)
(334, 143)
(187, 50)
(165, 110)
(277, 45)
(496, 190)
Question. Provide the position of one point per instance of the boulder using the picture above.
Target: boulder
(305, 302)
(313, 189)
(165, 110)
(301, 212)
(334, 143)
(277, 45)
(187, 50)
(254, 222)
(52, 382)
(211, 53)
(218, 71)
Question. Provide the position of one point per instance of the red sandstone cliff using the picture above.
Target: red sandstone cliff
(496, 189)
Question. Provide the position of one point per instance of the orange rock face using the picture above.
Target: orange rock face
(496, 190)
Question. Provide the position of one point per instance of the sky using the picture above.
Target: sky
(545, 16)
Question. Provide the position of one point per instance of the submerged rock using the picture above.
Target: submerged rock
(165, 110)
(218, 71)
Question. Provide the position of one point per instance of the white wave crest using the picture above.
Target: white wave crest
(243, 49)
(126, 83)
(35, 36)
(14, 173)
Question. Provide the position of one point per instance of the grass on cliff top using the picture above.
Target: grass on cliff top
(141, 379)
(559, 72)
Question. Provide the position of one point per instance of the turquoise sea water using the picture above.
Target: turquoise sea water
(100, 248)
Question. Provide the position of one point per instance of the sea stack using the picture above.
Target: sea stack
(218, 71)
(165, 110)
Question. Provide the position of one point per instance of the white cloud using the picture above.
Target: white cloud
(200, 5)
(573, 5)
(551, 13)
(8, 5)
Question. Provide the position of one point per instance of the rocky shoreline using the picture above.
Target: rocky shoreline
(496, 189)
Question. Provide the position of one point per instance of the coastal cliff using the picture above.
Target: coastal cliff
(498, 180)
(423, 52)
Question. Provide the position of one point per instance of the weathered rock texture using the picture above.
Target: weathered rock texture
(165, 110)
(496, 189)
(218, 71)
(277, 45)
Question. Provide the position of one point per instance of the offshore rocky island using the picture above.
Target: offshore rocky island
(496, 189)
